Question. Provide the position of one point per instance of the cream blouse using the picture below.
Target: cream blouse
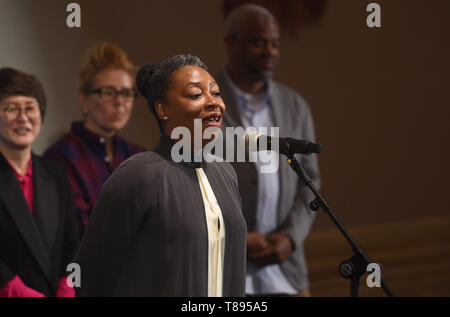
(216, 236)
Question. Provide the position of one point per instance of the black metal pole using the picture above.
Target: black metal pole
(356, 266)
(355, 287)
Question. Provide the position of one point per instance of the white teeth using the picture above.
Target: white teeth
(22, 130)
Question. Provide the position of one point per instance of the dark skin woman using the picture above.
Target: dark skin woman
(162, 227)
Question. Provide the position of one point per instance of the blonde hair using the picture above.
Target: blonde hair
(102, 56)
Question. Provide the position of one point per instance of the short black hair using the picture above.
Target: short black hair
(17, 83)
(153, 79)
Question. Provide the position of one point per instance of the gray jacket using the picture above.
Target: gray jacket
(293, 117)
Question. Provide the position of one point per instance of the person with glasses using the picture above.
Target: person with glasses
(93, 148)
(38, 230)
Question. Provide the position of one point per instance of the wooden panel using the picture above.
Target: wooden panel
(415, 255)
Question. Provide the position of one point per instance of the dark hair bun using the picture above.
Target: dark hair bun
(144, 78)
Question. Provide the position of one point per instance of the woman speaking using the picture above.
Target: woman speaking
(162, 228)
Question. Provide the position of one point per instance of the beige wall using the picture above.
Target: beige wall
(380, 97)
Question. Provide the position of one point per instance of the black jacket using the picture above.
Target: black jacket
(36, 246)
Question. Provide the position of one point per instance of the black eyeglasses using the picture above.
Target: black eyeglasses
(110, 93)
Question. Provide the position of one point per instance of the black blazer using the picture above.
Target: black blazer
(36, 246)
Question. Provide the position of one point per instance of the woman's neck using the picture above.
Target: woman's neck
(107, 135)
(17, 157)
(110, 150)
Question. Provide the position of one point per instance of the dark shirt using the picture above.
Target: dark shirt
(35, 248)
(87, 165)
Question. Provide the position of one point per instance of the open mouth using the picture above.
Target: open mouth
(213, 118)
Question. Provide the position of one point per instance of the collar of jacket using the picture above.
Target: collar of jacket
(165, 149)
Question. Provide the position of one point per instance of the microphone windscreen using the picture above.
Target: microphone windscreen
(315, 148)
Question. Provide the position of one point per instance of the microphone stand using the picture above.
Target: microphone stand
(354, 267)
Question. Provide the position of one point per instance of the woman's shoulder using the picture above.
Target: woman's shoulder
(51, 168)
(139, 170)
(226, 169)
(64, 145)
(145, 159)
(131, 147)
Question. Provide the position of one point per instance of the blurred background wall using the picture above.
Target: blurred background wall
(380, 99)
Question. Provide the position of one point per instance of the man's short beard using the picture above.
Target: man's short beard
(267, 74)
(262, 75)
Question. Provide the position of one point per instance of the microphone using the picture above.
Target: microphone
(287, 146)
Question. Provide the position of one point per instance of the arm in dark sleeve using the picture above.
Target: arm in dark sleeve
(82, 208)
(71, 239)
(12, 286)
(5, 274)
(71, 235)
(113, 225)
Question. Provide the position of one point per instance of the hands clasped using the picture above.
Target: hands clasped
(265, 250)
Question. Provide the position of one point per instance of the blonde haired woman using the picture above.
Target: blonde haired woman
(93, 148)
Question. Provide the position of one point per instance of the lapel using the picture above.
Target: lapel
(277, 107)
(45, 203)
(279, 110)
(15, 204)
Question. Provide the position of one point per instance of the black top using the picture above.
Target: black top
(148, 233)
(36, 246)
